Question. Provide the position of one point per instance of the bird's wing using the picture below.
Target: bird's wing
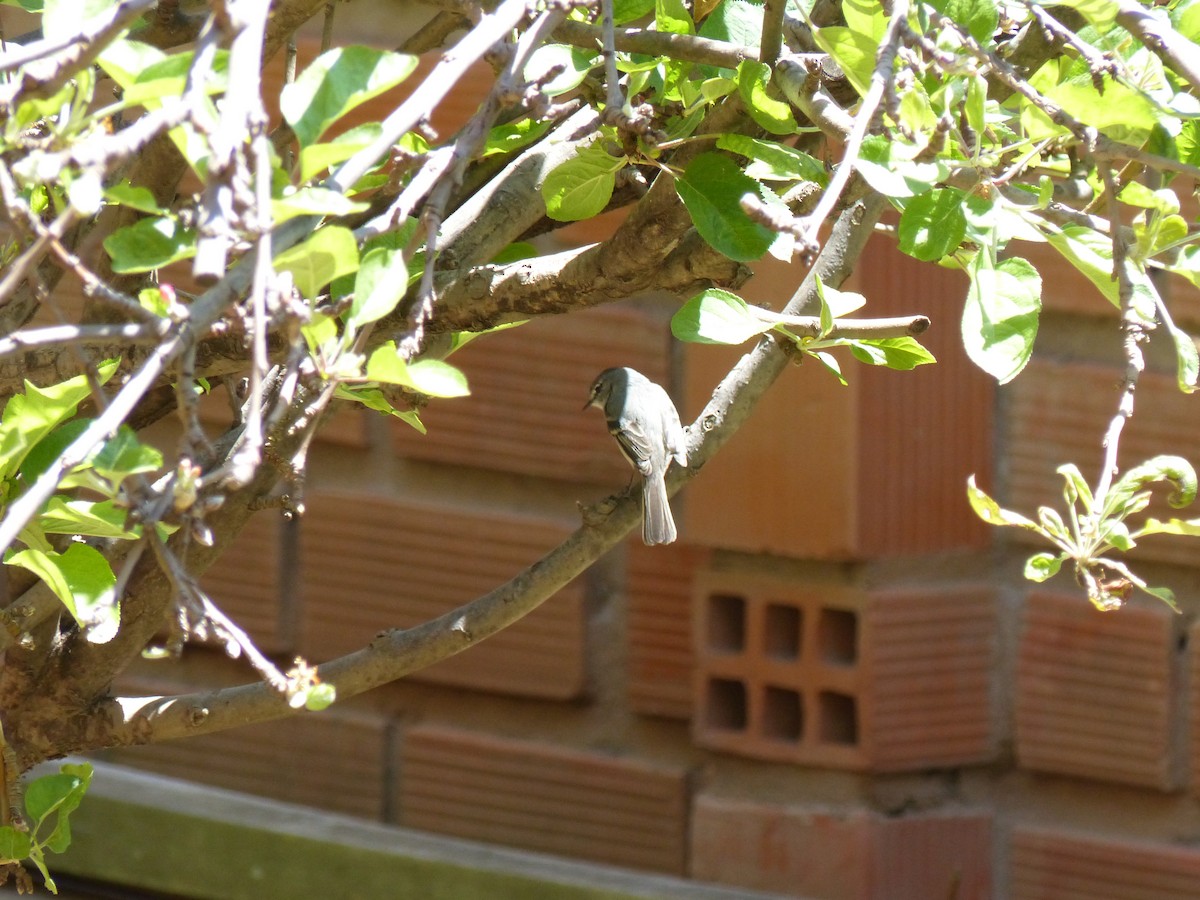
(631, 438)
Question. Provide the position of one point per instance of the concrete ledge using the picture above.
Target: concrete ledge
(159, 834)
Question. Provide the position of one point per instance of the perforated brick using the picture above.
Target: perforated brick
(659, 588)
(825, 674)
(1054, 865)
(841, 854)
(538, 797)
(1095, 691)
(528, 387)
(371, 563)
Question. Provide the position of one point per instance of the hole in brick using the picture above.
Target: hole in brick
(837, 637)
(783, 714)
(783, 629)
(839, 718)
(726, 704)
(726, 623)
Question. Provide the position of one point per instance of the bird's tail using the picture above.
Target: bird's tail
(657, 525)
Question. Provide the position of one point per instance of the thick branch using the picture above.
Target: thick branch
(401, 651)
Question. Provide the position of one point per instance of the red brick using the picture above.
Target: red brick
(825, 674)
(929, 658)
(1095, 691)
(371, 563)
(841, 855)
(528, 387)
(1052, 865)
(334, 760)
(661, 661)
(245, 584)
(1058, 413)
(885, 459)
(586, 805)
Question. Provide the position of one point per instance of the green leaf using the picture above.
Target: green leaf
(772, 161)
(1099, 13)
(134, 197)
(1042, 566)
(60, 794)
(381, 281)
(979, 17)
(319, 697)
(712, 188)
(734, 22)
(329, 252)
(773, 115)
(630, 10)
(83, 580)
(1173, 469)
(1121, 113)
(900, 353)
(167, 77)
(1188, 527)
(1075, 487)
(32, 415)
(316, 158)
(149, 244)
(432, 377)
(514, 136)
(993, 513)
(673, 16)
(1000, 316)
(883, 165)
(582, 186)
(933, 224)
(14, 845)
(314, 201)
(572, 65)
(337, 82)
(717, 317)
(123, 455)
(90, 518)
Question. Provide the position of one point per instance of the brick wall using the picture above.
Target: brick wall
(836, 685)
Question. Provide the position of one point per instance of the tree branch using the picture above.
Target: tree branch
(400, 652)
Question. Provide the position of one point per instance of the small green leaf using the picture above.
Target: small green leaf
(773, 115)
(673, 16)
(717, 317)
(83, 580)
(1000, 316)
(91, 518)
(979, 17)
(772, 161)
(329, 252)
(712, 188)
(581, 187)
(134, 197)
(381, 281)
(337, 82)
(316, 158)
(1173, 469)
(1042, 566)
(123, 455)
(14, 845)
(1075, 488)
(314, 201)
(571, 65)
(883, 165)
(933, 224)
(319, 697)
(514, 135)
(991, 511)
(432, 377)
(149, 244)
(900, 353)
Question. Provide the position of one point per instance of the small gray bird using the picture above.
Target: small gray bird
(646, 425)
